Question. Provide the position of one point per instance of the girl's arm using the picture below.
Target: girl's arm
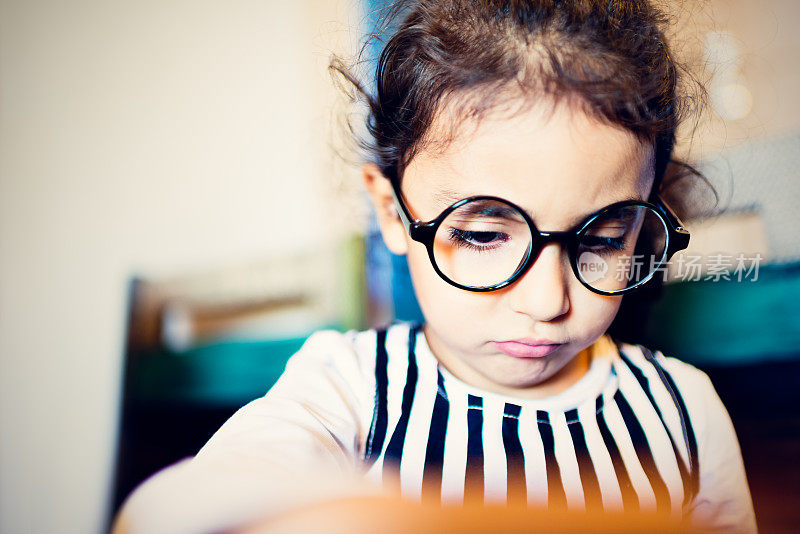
(723, 502)
(297, 445)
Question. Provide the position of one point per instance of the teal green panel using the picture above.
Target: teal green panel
(229, 373)
(730, 322)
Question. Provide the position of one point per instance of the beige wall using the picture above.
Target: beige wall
(766, 34)
(136, 137)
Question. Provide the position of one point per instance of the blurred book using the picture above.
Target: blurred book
(278, 298)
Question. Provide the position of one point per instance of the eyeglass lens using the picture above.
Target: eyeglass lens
(484, 242)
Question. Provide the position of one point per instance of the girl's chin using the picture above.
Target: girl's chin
(520, 373)
(526, 382)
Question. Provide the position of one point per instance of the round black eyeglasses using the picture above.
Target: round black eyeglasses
(485, 243)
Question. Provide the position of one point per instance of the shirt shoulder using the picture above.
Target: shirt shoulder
(359, 350)
(343, 362)
(349, 355)
(323, 401)
(694, 388)
(690, 383)
(723, 500)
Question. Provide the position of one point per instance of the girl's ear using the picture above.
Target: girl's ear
(380, 193)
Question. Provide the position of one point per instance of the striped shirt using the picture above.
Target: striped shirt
(635, 433)
(612, 442)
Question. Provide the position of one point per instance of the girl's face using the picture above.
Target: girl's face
(558, 164)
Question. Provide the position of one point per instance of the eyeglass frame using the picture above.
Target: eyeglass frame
(425, 232)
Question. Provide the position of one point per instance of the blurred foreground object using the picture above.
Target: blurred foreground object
(388, 516)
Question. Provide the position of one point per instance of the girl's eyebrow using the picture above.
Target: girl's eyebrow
(627, 198)
(447, 196)
(490, 210)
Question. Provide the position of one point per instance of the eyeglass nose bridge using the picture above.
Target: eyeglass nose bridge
(544, 238)
(539, 240)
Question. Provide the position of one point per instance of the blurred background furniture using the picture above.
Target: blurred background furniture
(201, 345)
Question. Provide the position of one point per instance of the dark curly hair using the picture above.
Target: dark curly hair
(608, 56)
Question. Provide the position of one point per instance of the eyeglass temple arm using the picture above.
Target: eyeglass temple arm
(679, 235)
(402, 211)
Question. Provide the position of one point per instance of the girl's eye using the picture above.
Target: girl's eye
(603, 244)
(477, 240)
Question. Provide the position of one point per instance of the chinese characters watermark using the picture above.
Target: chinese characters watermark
(684, 267)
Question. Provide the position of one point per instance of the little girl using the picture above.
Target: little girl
(519, 150)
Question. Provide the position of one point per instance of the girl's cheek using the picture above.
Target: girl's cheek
(446, 306)
(596, 312)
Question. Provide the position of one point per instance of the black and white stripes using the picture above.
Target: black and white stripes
(614, 441)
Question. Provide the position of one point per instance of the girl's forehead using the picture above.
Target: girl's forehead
(561, 161)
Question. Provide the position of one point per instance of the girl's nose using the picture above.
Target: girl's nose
(542, 292)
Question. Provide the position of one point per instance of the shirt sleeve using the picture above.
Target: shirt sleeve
(297, 445)
(723, 502)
